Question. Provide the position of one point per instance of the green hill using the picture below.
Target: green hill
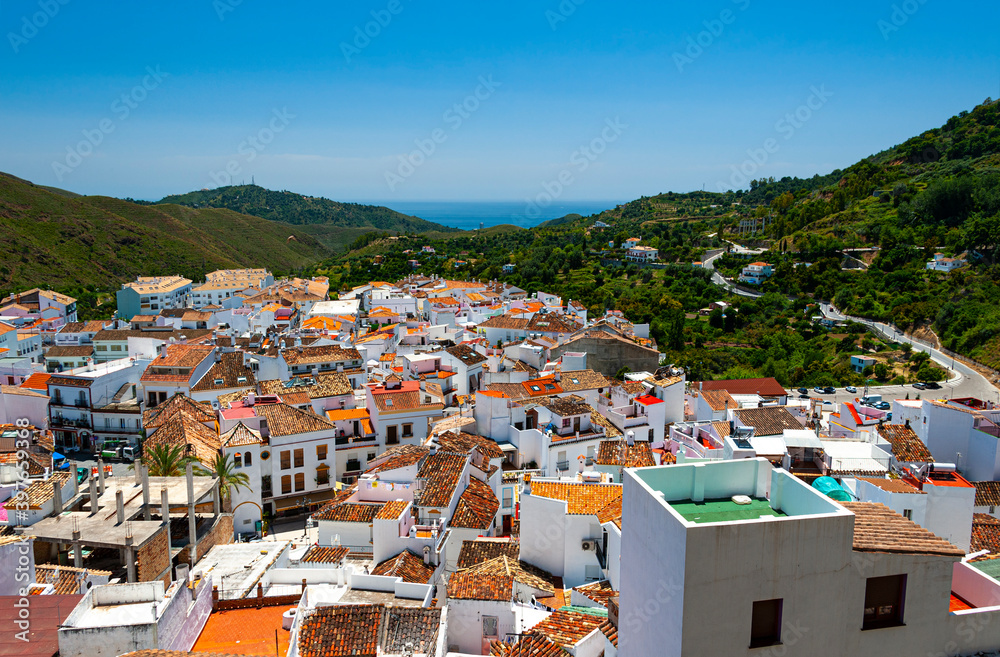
(333, 223)
(57, 241)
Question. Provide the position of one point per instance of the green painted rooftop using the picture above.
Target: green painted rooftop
(724, 510)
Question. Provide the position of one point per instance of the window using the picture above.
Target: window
(217, 382)
(508, 498)
(884, 601)
(407, 430)
(371, 456)
(490, 628)
(122, 422)
(247, 459)
(286, 460)
(565, 422)
(286, 484)
(765, 624)
(101, 347)
(300, 481)
(237, 460)
(299, 458)
(116, 347)
(107, 423)
(908, 514)
(322, 475)
(320, 452)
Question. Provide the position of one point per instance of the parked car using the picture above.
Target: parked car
(851, 389)
(818, 389)
(883, 406)
(803, 391)
(932, 385)
(829, 390)
(920, 386)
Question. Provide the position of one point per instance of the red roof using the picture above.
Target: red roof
(767, 387)
(648, 400)
(37, 381)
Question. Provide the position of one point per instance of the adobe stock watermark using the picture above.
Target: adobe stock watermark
(122, 108)
(714, 29)
(899, 17)
(23, 571)
(252, 146)
(579, 161)
(562, 12)
(223, 7)
(787, 126)
(454, 117)
(364, 34)
(31, 24)
(667, 592)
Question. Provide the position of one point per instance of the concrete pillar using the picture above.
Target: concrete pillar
(130, 558)
(100, 476)
(146, 512)
(77, 550)
(93, 496)
(136, 472)
(120, 506)
(192, 520)
(57, 498)
(165, 513)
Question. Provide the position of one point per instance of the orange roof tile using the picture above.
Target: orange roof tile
(581, 499)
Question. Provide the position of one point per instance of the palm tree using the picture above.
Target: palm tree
(166, 460)
(224, 468)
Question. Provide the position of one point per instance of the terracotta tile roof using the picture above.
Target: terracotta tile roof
(285, 420)
(477, 506)
(639, 455)
(567, 628)
(550, 323)
(528, 645)
(766, 387)
(348, 512)
(368, 630)
(21, 391)
(406, 565)
(400, 456)
(122, 335)
(906, 446)
(480, 550)
(322, 554)
(241, 435)
(466, 354)
(182, 428)
(323, 384)
(66, 580)
(987, 493)
(38, 492)
(508, 322)
(877, 528)
(235, 631)
(322, 354)
(157, 415)
(599, 592)
(230, 370)
(93, 326)
(719, 400)
(70, 351)
(632, 387)
(581, 499)
(182, 355)
(610, 430)
(466, 442)
(407, 397)
(37, 381)
(577, 380)
(565, 406)
(985, 533)
(768, 421)
(392, 510)
(521, 572)
(722, 428)
(441, 473)
(228, 398)
(611, 512)
(610, 632)
(892, 485)
(468, 585)
(69, 382)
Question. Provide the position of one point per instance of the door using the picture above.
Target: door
(392, 437)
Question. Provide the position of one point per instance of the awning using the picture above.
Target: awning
(56, 456)
(768, 445)
(802, 438)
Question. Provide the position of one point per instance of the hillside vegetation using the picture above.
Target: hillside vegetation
(333, 223)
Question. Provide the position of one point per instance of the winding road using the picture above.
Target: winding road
(964, 381)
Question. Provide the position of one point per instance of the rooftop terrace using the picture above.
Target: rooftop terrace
(725, 510)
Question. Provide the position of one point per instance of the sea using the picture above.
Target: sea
(470, 215)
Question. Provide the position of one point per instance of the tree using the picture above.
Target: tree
(881, 371)
(224, 468)
(673, 320)
(166, 460)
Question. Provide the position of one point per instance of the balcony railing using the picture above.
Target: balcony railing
(70, 422)
(562, 466)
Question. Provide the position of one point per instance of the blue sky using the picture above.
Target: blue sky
(551, 77)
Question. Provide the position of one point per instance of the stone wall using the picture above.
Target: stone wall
(154, 557)
(221, 534)
(607, 356)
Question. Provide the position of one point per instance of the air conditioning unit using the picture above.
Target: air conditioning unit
(588, 546)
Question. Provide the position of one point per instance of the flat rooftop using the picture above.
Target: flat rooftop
(725, 510)
(244, 632)
(237, 567)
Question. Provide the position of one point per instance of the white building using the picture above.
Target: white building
(756, 273)
(642, 254)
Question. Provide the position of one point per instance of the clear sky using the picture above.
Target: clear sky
(592, 100)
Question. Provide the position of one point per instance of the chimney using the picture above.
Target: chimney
(251, 399)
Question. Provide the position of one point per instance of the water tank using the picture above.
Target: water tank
(829, 487)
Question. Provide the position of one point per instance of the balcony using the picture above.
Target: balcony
(353, 440)
(562, 466)
(80, 423)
